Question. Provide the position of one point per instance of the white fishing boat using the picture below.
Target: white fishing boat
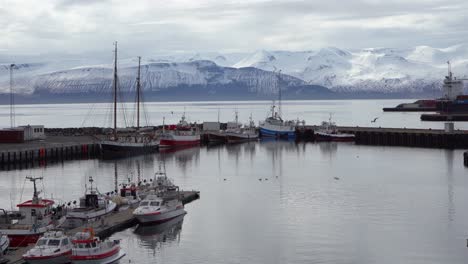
(329, 132)
(34, 218)
(180, 135)
(93, 205)
(136, 141)
(88, 249)
(155, 209)
(54, 247)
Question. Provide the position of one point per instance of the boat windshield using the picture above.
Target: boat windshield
(54, 242)
(154, 203)
(41, 242)
(144, 203)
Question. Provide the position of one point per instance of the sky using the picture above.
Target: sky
(54, 27)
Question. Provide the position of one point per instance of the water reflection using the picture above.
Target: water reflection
(155, 236)
(182, 157)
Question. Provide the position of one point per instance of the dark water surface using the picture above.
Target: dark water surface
(315, 203)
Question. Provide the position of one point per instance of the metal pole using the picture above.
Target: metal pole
(138, 94)
(115, 91)
(12, 100)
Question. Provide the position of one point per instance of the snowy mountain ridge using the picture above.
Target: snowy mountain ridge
(381, 70)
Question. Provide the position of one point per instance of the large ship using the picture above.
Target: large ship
(136, 141)
(180, 135)
(274, 125)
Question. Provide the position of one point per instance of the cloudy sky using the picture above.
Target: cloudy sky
(34, 27)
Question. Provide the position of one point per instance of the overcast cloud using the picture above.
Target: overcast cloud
(151, 27)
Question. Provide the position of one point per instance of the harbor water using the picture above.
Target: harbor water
(280, 201)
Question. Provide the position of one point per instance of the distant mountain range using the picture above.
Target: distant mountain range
(324, 73)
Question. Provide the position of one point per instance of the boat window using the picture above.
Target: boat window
(54, 242)
(154, 203)
(144, 203)
(65, 242)
(88, 245)
(41, 242)
(93, 244)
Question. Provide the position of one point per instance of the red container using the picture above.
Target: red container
(11, 136)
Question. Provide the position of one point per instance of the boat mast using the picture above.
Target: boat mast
(12, 101)
(115, 91)
(138, 94)
(279, 93)
(35, 199)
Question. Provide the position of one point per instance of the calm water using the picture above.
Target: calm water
(315, 203)
(344, 112)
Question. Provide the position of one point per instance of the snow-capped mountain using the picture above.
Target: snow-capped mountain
(387, 71)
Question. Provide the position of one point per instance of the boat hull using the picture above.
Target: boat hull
(172, 143)
(104, 258)
(116, 149)
(216, 137)
(236, 138)
(277, 133)
(76, 219)
(23, 240)
(334, 137)
(54, 259)
(159, 218)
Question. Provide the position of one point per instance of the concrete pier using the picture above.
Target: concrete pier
(426, 138)
(54, 148)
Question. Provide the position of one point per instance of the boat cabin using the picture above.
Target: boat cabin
(92, 200)
(34, 211)
(85, 239)
(53, 239)
(128, 191)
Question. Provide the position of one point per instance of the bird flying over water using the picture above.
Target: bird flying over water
(375, 119)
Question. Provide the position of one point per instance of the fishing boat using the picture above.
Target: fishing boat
(134, 142)
(93, 205)
(329, 132)
(180, 135)
(54, 247)
(243, 133)
(156, 209)
(31, 221)
(89, 249)
(274, 125)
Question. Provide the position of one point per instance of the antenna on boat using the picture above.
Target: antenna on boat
(138, 93)
(164, 129)
(218, 114)
(12, 99)
(115, 91)
(36, 193)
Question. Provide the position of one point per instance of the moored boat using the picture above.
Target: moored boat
(135, 142)
(243, 134)
(93, 205)
(54, 247)
(88, 249)
(329, 132)
(155, 209)
(34, 218)
(180, 135)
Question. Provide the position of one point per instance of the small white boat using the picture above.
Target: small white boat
(52, 248)
(4, 243)
(155, 209)
(93, 205)
(88, 249)
(329, 132)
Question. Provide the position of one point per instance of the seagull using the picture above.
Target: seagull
(266, 179)
(375, 119)
(224, 178)
(260, 179)
(336, 178)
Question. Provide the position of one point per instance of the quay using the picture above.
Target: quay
(425, 138)
(53, 148)
(109, 225)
